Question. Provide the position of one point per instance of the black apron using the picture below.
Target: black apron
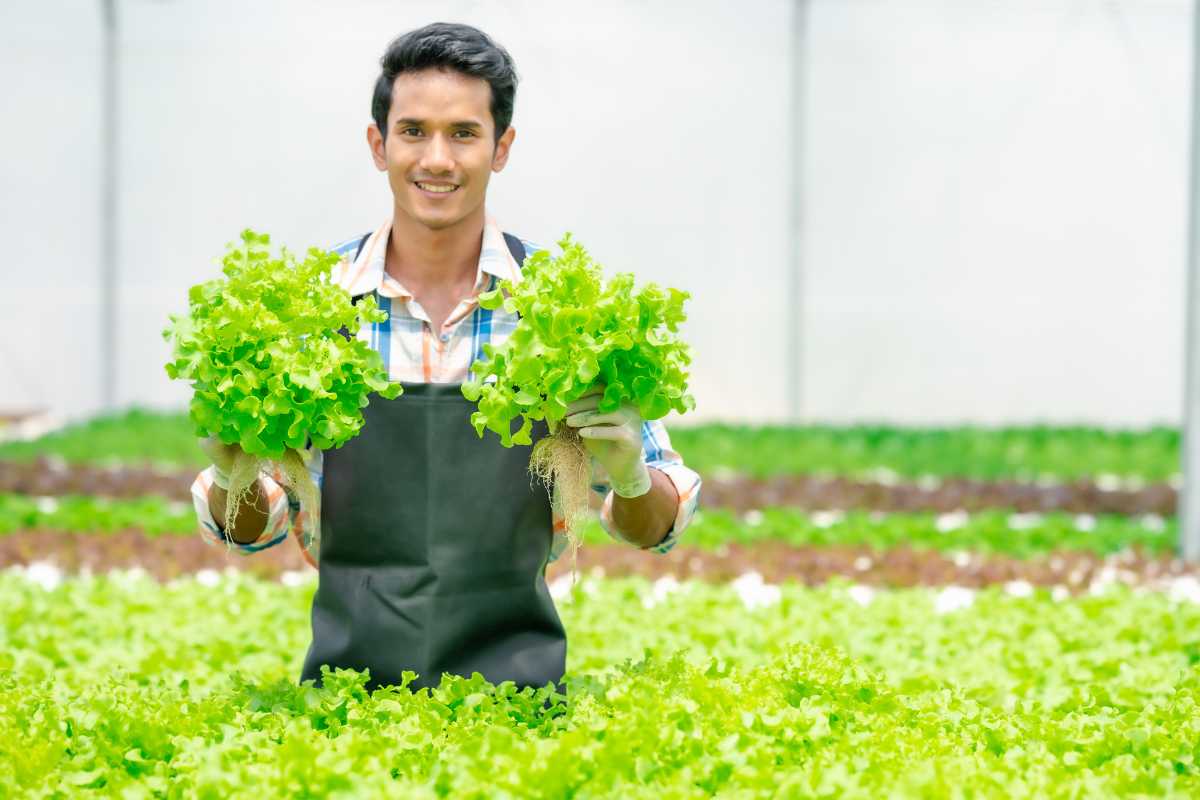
(433, 550)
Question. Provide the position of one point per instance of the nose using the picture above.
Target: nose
(437, 158)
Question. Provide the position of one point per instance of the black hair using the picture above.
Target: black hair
(447, 45)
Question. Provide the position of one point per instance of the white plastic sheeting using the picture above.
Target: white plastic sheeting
(994, 192)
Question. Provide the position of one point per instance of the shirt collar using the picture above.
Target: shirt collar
(366, 273)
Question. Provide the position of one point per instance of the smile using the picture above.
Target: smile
(436, 188)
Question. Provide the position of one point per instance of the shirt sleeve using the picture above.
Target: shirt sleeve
(277, 518)
(656, 446)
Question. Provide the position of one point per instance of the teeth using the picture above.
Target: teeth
(427, 187)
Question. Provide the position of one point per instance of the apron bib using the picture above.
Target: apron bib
(433, 551)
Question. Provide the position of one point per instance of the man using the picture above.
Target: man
(430, 543)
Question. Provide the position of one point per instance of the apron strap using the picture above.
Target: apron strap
(515, 247)
(361, 242)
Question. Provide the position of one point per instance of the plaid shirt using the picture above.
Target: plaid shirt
(415, 353)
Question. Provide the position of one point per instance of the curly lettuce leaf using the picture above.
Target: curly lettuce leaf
(262, 350)
(578, 331)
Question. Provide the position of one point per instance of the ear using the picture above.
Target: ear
(375, 142)
(500, 157)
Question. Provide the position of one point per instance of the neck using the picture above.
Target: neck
(421, 257)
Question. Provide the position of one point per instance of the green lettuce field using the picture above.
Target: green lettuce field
(844, 619)
(679, 690)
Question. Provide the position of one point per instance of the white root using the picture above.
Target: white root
(561, 462)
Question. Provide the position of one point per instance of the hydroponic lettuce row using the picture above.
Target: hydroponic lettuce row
(262, 350)
(116, 686)
(1024, 453)
(576, 331)
(987, 532)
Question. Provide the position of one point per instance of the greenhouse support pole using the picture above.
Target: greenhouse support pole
(108, 208)
(1190, 509)
(795, 287)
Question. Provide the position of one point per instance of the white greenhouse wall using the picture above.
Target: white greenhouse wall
(994, 191)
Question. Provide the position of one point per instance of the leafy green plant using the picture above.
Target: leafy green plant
(262, 350)
(575, 330)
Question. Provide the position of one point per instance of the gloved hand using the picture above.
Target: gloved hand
(614, 440)
(222, 456)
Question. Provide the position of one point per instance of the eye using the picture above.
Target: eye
(466, 133)
(410, 131)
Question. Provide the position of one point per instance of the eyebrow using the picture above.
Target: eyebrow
(465, 123)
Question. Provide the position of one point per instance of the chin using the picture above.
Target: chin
(437, 223)
(430, 220)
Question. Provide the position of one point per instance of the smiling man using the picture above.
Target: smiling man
(430, 543)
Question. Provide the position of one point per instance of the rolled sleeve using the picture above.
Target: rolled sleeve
(275, 531)
(656, 445)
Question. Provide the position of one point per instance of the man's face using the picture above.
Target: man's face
(441, 136)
